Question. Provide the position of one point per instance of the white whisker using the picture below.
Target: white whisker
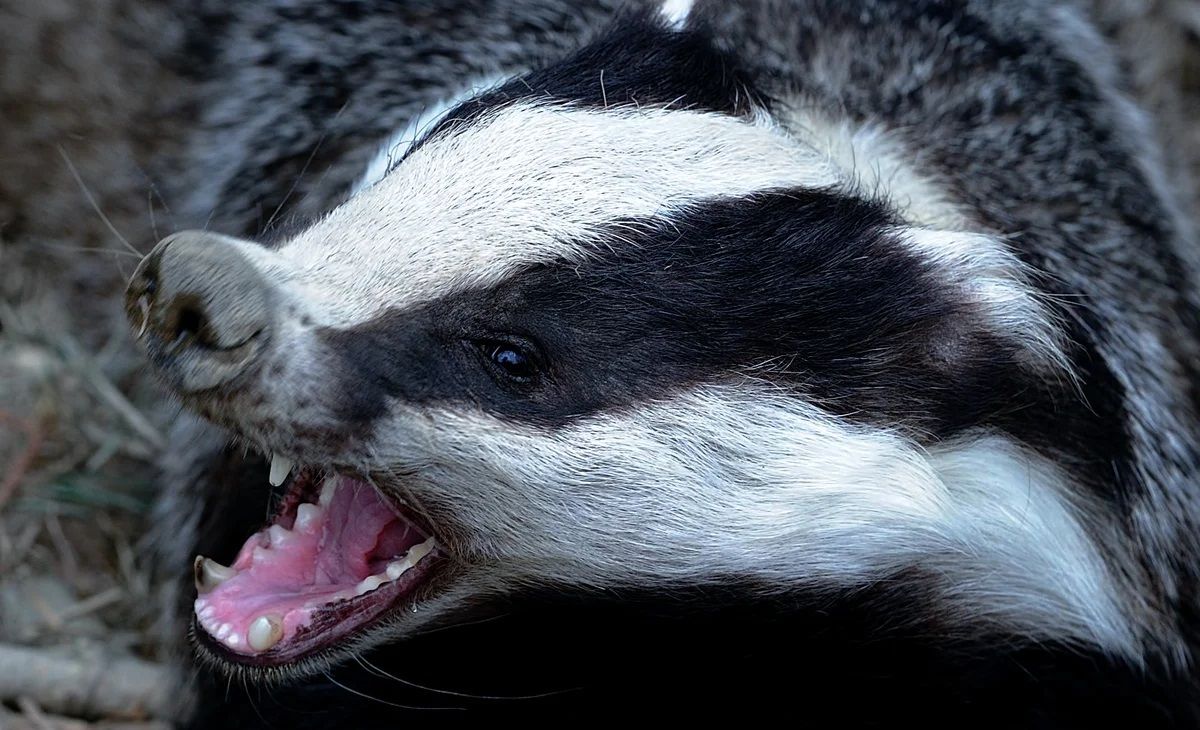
(92, 200)
(382, 701)
(372, 668)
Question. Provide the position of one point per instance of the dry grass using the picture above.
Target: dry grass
(81, 89)
(80, 105)
(79, 431)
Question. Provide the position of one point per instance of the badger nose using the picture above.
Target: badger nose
(200, 308)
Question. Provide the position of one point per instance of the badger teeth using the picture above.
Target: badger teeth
(209, 574)
(328, 490)
(308, 518)
(395, 569)
(264, 632)
(279, 536)
(398, 568)
(280, 468)
(420, 550)
(369, 584)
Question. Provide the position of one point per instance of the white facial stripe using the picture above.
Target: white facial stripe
(397, 145)
(747, 482)
(530, 183)
(873, 160)
(536, 182)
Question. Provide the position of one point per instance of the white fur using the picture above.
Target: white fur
(677, 12)
(745, 481)
(532, 183)
(398, 143)
(875, 162)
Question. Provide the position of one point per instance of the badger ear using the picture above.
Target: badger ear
(999, 288)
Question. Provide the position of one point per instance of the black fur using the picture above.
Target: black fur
(644, 64)
(636, 62)
(801, 288)
(877, 657)
(1022, 134)
(298, 96)
(838, 676)
(874, 657)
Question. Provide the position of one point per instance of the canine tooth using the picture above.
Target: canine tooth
(280, 468)
(264, 632)
(327, 491)
(307, 516)
(209, 574)
(369, 584)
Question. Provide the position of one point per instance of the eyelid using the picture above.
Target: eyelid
(517, 341)
(489, 342)
(489, 347)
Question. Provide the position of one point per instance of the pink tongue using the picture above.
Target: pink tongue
(287, 574)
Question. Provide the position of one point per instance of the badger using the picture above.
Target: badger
(677, 359)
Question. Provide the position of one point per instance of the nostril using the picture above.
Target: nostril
(192, 324)
(146, 280)
(202, 312)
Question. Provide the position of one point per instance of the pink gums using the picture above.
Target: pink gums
(289, 574)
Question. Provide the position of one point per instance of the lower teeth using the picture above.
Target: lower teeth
(264, 632)
(267, 630)
(396, 568)
(369, 584)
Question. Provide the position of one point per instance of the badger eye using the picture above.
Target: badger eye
(514, 361)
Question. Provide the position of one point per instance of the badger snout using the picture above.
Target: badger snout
(202, 311)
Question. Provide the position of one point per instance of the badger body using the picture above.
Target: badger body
(717, 357)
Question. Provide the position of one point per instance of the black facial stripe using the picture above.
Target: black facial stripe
(638, 61)
(808, 288)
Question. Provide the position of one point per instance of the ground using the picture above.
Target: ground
(93, 99)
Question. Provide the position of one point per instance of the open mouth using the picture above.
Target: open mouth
(337, 557)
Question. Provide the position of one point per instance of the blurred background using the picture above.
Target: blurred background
(95, 100)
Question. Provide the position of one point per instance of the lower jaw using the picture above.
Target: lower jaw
(249, 616)
(329, 645)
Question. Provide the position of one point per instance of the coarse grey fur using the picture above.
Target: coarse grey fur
(301, 95)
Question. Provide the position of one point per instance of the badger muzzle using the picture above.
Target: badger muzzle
(338, 555)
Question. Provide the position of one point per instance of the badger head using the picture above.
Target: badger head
(613, 324)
